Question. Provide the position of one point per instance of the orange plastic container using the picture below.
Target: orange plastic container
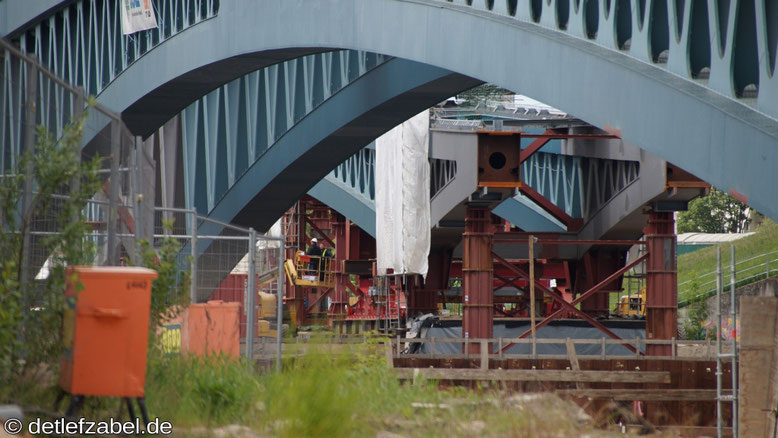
(105, 331)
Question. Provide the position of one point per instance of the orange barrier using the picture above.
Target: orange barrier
(105, 331)
(213, 327)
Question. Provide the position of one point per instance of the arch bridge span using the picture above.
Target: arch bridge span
(692, 82)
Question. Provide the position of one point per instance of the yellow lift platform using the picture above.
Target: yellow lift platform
(310, 271)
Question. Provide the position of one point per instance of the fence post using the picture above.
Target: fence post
(484, 349)
(280, 302)
(602, 348)
(733, 315)
(113, 193)
(136, 200)
(251, 291)
(193, 270)
(75, 183)
(31, 99)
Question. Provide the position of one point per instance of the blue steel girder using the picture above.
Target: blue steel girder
(227, 130)
(677, 81)
(338, 127)
(82, 43)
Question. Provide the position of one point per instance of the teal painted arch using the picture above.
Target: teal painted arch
(709, 128)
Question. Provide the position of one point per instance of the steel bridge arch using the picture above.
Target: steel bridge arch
(649, 89)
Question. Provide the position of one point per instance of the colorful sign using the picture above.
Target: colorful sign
(137, 15)
(171, 338)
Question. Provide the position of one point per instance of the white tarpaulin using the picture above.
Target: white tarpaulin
(137, 15)
(403, 197)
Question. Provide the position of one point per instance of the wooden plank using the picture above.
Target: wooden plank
(643, 394)
(484, 356)
(572, 356)
(535, 375)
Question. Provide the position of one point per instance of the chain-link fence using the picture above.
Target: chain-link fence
(229, 262)
(218, 260)
(233, 265)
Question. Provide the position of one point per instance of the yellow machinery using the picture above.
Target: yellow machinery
(265, 313)
(632, 305)
(267, 306)
(310, 271)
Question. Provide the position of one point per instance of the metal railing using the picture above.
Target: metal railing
(746, 271)
(314, 271)
(234, 264)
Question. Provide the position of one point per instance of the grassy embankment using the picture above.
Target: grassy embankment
(696, 267)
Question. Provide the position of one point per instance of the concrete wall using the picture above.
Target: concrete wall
(758, 367)
(764, 288)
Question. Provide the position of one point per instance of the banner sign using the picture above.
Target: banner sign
(137, 15)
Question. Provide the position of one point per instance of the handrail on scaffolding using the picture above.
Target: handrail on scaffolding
(310, 270)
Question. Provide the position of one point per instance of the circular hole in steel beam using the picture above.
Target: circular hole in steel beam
(497, 160)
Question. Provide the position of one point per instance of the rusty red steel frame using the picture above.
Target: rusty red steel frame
(477, 276)
(533, 147)
(542, 139)
(584, 296)
(571, 223)
(324, 235)
(568, 306)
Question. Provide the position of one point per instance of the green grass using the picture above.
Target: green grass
(695, 268)
(332, 391)
(348, 392)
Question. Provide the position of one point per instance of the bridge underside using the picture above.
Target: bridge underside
(567, 64)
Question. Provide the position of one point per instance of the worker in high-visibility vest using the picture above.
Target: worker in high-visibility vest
(327, 254)
(315, 252)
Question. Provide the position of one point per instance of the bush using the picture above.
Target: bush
(694, 328)
(31, 311)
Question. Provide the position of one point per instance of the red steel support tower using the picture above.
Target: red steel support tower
(477, 275)
(339, 296)
(661, 282)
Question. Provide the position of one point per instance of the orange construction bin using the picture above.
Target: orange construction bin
(106, 330)
(214, 327)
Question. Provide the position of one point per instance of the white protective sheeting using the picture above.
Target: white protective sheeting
(137, 15)
(403, 197)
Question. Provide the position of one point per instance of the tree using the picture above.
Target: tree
(484, 92)
(31, 312)
(715, 213)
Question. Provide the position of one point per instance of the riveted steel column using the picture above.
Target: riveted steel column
(339, 297)
(661, 282)
(425, 300)
(477, 276)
